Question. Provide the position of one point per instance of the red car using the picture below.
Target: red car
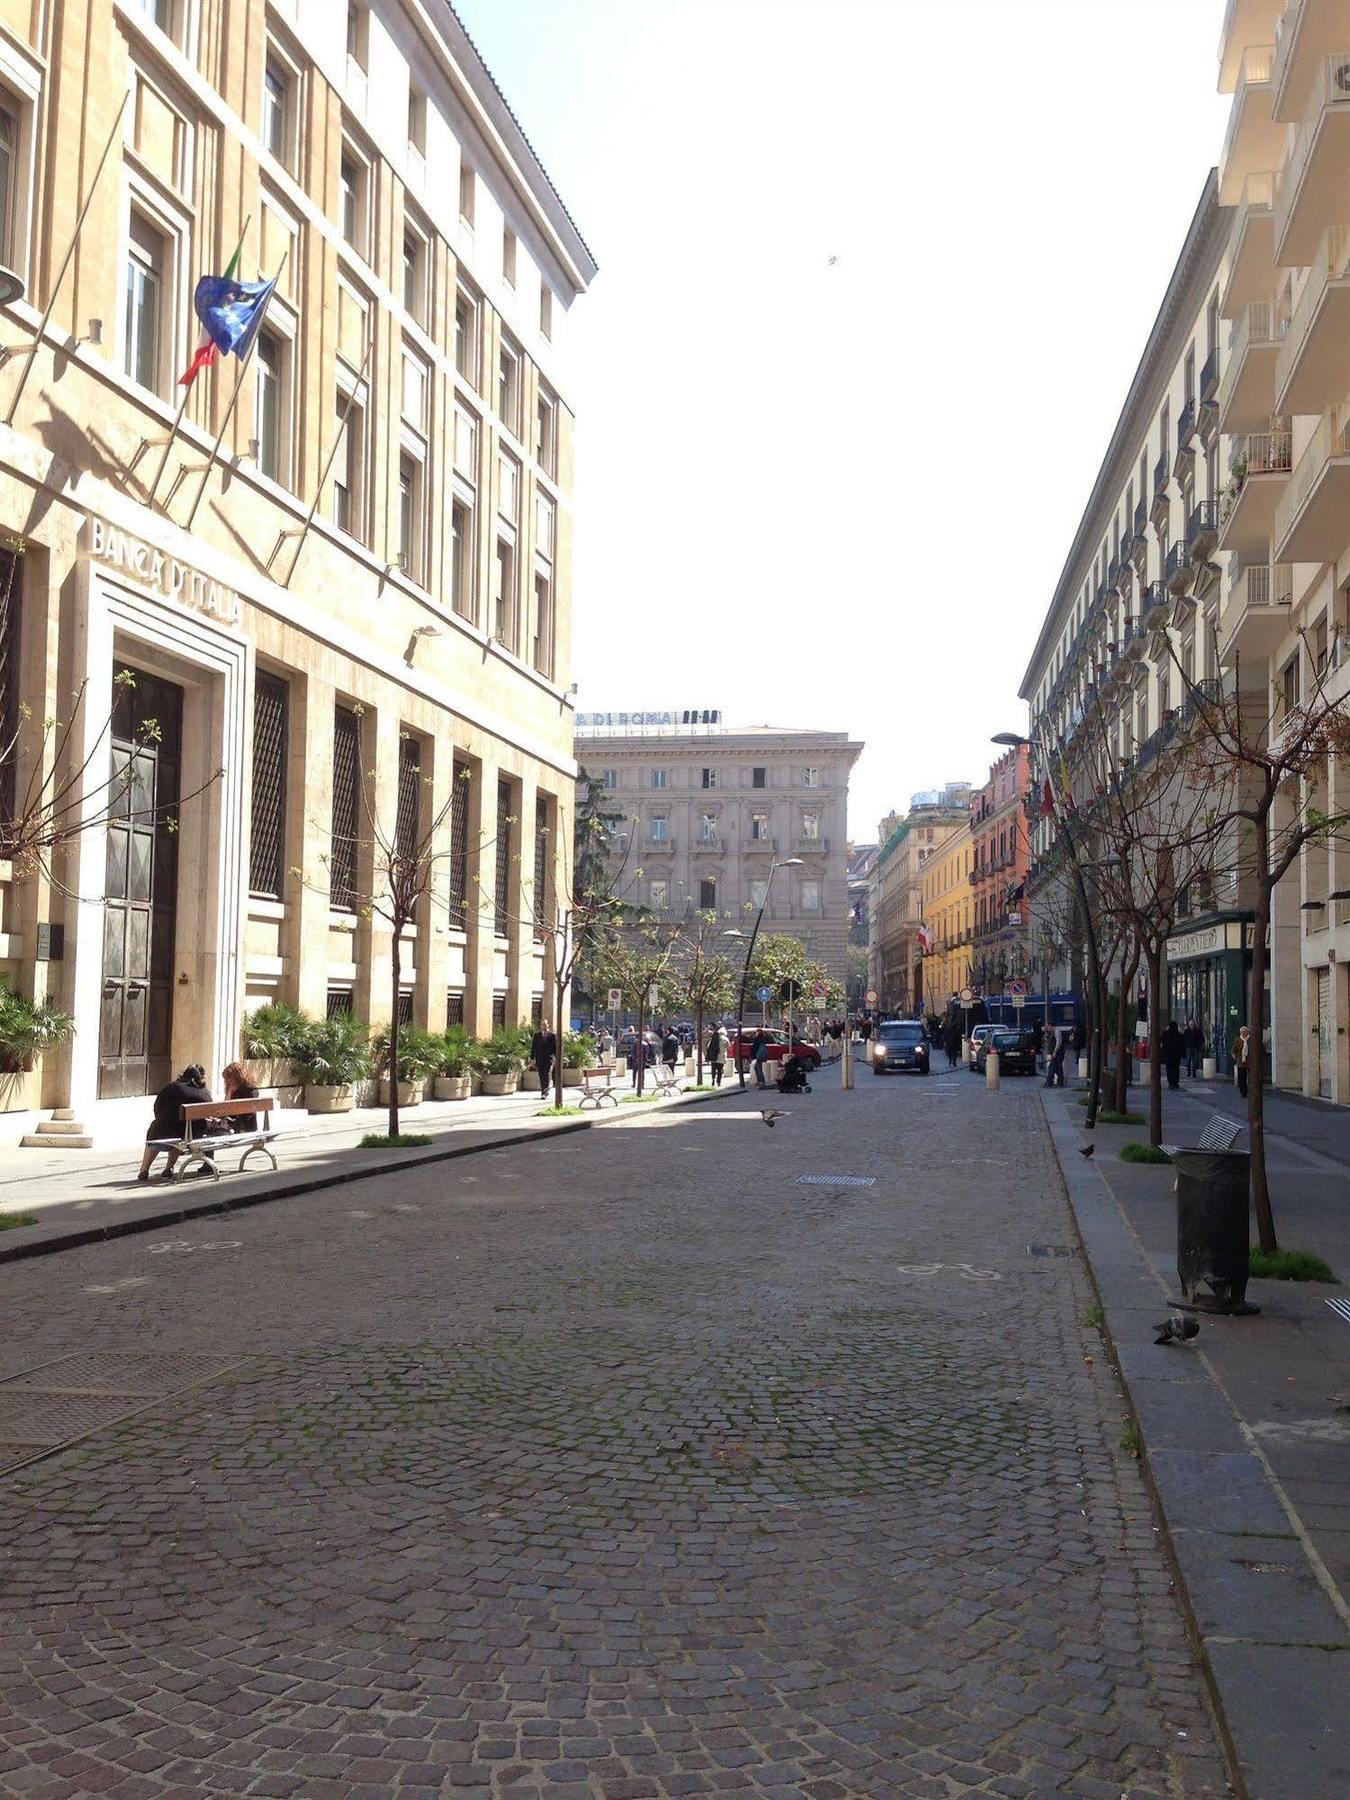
(809, 1054)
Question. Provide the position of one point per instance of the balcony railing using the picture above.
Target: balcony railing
(1202, 528)
(754, 846)
(1331, 439)
(1254, 326)
(1332, 263)
(1140, 517)
(1176, 566)
(1331, 88)
(1209, 376)
(1257, 61)
(1185, 427)
(1286, 33)
(1161, 476)
(1153, 597)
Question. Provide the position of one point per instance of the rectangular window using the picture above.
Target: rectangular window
(146, 278)
(499, 1012)
(417, 120)
(545, 310)
(707, 894)
(501, 922)
(459, 846)
(276, 110)
(504, 595)
(267, 840)
(358, 34)
(611, 780)
(508, 256)
(415, 260)
(811, 825)
(541, 912)
(416, 384)
(353, 200)
(466, 194)
(759, 893)
(546, 434)
(508, 390)
(811, 777)
(707, 828)
(349, 464)
(346, 808)
(543, 624)
(269, 414)
(466, 337)
(408, 816)
(340, 1004)
(411, 535)
(660, 829)
(759, 827)
(759, 778)
(660, 895)
(461, 560)
(710, 778)
(658, 778)
(508, 488)
(454, 1010)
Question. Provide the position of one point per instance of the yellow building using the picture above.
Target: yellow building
(948, 916)
(410, 638)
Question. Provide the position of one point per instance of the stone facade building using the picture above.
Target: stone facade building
(896, 890)
(713, 815)
(999, 827)
(368, 587)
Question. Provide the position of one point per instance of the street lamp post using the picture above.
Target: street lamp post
(788, 862)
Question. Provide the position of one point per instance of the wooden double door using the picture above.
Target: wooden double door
(140, 911)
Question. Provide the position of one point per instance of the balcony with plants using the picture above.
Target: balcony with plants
(1260, 467)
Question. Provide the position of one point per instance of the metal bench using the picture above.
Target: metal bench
(665, 1079)
(597, 1086)
(1220, 1134)
(203, 1150)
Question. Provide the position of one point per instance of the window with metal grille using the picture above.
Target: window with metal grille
(346, 806)
(408, 824)
(502, 909)
(11, 584)
(540, 910)
(405, 1007)
(339, 1002)
(454, 1010)
(537, 1011)
(267, 843)
(459, 849)
(498, 1012)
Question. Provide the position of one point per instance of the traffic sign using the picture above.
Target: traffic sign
(763, 995)
(615, 999)
(871, 996)
(967, 996)
(1017, 989)
(821, 990)
(1018, 1000)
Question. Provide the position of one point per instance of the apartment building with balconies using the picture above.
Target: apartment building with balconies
(1002, 839)
(949, 918)
(896, 962)
(725, 820)
(1137, 620)
(1285, 620)
(342, 566)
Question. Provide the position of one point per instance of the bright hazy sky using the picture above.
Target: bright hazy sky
(874, 276)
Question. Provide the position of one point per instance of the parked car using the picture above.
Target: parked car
(900, 1045)
(978, 1033)
(778, 1049)
(1016, 1051)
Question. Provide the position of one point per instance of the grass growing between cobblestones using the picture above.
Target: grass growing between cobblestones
(1144, 1153)
(1290, 1265)
(381, 1140)
(12, 1221)
(558, 1112)
(1106, 1116)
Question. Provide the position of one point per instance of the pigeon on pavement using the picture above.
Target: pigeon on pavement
(1087, 1150)
(769, 1114)
(1177, 1328)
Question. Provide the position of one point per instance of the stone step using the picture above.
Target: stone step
(61, 1128)
(63, 1112)
(33, 1142)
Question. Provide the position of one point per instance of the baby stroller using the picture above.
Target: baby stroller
(793, 1079)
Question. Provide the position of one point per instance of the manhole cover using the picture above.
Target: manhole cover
(1048, 1250)
(31, 1416)
(837, 1180)
(112, 1372)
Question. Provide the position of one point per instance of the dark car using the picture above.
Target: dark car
(899, 1044)
(1016, 1051)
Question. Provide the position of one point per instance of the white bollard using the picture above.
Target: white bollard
(991, 1068)
(1209, 1068)
(965, 1053)
(1085, 1068)
(846, 1066)
(1145, 1073)
(689, 1066)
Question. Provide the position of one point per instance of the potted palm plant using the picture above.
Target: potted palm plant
(28, 1028)
(578, 1053)
(330, 1057)
(501, 1062)
(452, 1075)
(417, 1052)
(269, 1038)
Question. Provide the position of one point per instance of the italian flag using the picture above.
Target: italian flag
(206, 352)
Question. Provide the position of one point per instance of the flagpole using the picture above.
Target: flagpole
(323, 478)
(234, 397)
(65, 262)
(187, 390)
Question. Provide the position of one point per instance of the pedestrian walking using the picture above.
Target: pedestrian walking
(1172, 1047)
(759, 1051)
(1054, 1075)
(1195, 1044)
(951, 1043)
(716, 1053)
(670, 1047)
(604, 1045)
(1242, 1059)
(543, 1054)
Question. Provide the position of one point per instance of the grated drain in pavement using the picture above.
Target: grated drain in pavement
(42, 1409)
(1341, 1308)
(837, 1180)
(1048, 1250)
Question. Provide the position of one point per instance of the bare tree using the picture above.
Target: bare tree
(707, 977)
(641, 962)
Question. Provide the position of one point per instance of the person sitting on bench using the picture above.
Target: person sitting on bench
(234, 1079)
(188, 1090)
(793, 1079)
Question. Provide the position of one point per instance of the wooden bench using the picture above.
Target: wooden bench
(597, 1085)
(204, 1149)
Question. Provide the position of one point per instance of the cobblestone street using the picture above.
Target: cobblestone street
(625, 1465)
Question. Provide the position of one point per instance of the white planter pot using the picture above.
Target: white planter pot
(328, 1099)
(1209, 1068)
(529, 1081)
(500, 1084)
(1145, 1074)
(451, 1087)
(1084, 1068)
(409, 1092)
(571, 1078)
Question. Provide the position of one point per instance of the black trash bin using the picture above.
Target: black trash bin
(1212, 1190)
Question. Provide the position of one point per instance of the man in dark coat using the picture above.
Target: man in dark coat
(543, 1054)
(1195, 1046)
(1172, 1047)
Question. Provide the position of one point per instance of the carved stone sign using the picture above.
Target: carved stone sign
(119, 550)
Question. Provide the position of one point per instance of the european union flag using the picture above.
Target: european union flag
(231, 311)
